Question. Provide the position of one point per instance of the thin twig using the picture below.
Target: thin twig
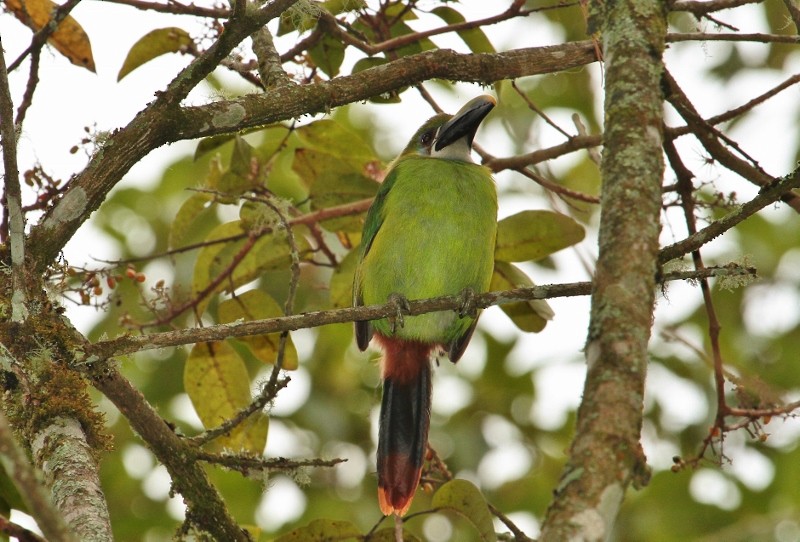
(702, 8)
(686, 193)
(533, 107)
(246, 464)
(708, 137)
(176, 8)
(256, 405)
(736, 111)
(675, 37)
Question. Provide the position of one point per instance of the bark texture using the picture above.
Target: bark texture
(606, 458)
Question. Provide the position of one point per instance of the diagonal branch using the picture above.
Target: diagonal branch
(709, 138)
(767, 196)
(205, 505)
(151, 128)
(164, 121)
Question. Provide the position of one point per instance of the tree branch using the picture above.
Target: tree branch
(291, 102)
(30, 488)
(206, 509)
(709, 138)
(768, 195)
(128, 344)
(72, 474)
(12, 197)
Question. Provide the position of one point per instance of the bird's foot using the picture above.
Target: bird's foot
(468, 306)
(401, 307)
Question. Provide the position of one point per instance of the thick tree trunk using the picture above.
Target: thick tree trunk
(605, 456)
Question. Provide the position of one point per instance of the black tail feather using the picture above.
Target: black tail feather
(403, 438)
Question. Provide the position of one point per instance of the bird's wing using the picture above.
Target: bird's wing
(372, 224)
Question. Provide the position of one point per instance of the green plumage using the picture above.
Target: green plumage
(430, 232)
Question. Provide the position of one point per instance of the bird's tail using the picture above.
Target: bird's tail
(404, 422)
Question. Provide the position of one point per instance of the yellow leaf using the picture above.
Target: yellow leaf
(69, 39)
(217, 382)
(258, 305)
(466, 499)
(154, 44)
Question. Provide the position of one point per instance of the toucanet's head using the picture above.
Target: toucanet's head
(450, 136)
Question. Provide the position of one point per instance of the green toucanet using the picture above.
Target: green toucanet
(430, 232)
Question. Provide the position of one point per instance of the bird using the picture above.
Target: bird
(429, 232)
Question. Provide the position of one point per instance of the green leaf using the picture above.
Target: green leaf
(532, 235)
(311, 164)
(475, 39)
(301, 17)
(335, 7)
(466, 499)
(529, 316)
(197, 204)
(211, 143)
(328, 55)
(335, 138)
(258, 305)
(322, 530)
(9, 495)
(152, 45)
(387, 535)
(332, 181)
(330, 190)
(217, 382)
(242, 157)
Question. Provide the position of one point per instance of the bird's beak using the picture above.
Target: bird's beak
(465, 123)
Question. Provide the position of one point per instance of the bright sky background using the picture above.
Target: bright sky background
(68, 98)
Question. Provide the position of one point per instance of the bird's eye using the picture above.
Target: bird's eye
(427, 138)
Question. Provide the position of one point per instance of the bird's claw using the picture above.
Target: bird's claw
(401, 307)
(468, 306)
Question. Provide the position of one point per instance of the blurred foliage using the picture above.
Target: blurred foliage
(208, 243)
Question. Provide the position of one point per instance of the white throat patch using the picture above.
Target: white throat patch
(458, 150)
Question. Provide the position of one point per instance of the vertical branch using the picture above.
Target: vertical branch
(71, 471)
(30, 488)
(605, 457)
(270, 67)
(685, 190)
(13, 197)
